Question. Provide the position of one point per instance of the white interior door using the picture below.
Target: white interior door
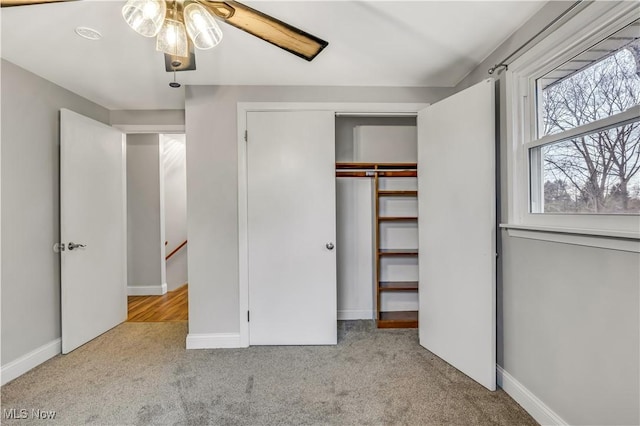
(457, 231)
(92, 214)
(291, 228)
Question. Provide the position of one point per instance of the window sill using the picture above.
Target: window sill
(611, 240)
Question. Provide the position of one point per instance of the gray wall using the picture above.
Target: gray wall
(212, 179)
(570, 328)
(145, 236)
(568, 316)
(161, 117)
(30, 207)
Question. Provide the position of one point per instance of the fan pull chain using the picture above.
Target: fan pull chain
(175, 64)
(174, 83)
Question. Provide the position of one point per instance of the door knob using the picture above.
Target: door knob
(73, 246)
(330, 246)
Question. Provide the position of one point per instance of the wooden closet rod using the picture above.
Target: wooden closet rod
(378, 166)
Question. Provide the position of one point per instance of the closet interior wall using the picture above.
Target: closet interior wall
(361, 139)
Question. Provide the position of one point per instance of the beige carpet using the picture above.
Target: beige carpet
(140, 373)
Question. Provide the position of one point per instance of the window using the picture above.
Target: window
(574, 103)
(596, 170)
(593, 173)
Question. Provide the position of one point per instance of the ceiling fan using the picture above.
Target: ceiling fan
(181, 25)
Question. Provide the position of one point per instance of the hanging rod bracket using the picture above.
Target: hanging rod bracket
(498, 67)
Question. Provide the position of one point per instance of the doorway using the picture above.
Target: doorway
(246, 139)
(157, 239)
(377, 215)
(172, 306)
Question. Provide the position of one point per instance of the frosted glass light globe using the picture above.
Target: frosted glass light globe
(145, 16)
(201, 26)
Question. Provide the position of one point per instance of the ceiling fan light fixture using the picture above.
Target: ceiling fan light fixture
(172, 39)
(145, 16)
(201, 26)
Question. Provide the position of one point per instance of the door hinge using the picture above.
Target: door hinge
(246, 136)
(247, 316)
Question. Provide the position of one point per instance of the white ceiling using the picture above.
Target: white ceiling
(371, 43)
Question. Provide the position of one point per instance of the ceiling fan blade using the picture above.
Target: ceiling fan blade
(9, 3)
(268, 28)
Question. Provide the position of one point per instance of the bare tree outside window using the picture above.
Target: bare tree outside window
(597, 172)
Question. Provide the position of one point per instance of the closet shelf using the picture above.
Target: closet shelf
(398, 286)
(389, 193)
(398, 319)
(397, 252)
(397, 219)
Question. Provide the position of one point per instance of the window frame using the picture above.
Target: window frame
(595, 22)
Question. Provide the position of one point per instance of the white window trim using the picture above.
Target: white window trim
(615, 120)
(620, 241)
(597, 21)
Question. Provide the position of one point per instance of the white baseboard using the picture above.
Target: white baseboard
(146, 290)
(213, 341)
(347, 315)
(527, 400)
(26, 362)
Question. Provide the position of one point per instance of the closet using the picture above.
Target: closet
(377, 220)
(293, 271)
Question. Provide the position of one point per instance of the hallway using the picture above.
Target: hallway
(172, 306)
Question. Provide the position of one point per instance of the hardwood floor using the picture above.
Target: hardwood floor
(172, 306)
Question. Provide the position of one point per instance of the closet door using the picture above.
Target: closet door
(291, 228)
(457, 231)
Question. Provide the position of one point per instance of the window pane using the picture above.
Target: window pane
(600, 82)
(594, 173)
